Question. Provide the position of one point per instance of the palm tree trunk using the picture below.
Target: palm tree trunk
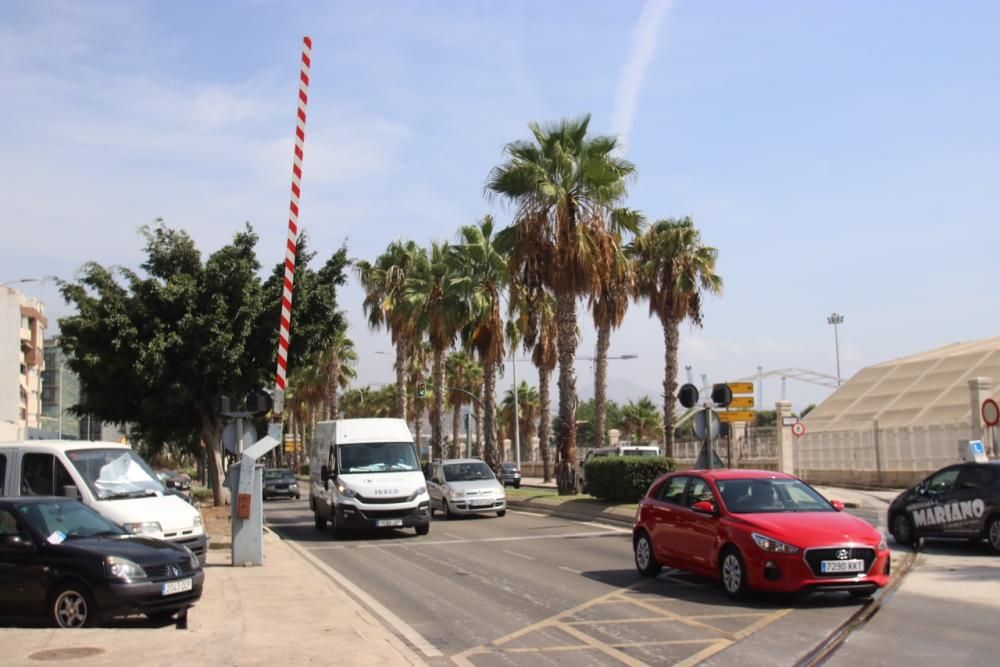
(566, 477)
(490, 418)
(456, 421)
(544, 422)
(400, 367)
(601, 384)
(480, 442)
(671, 336)
(437, 411)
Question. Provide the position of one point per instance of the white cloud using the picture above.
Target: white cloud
(641, 50)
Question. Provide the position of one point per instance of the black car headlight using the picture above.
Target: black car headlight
(123, 569)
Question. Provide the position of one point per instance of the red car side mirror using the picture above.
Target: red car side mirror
(837, 505)
(706, 506)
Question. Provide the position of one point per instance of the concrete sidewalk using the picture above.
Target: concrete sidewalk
(286, 612)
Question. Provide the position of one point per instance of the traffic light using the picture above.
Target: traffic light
(688, 395)
(421, 389)
(722, 395)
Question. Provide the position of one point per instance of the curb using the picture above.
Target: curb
(558, 511)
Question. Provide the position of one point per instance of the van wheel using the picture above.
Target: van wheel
(320, 521)
(71, 605)
(335, 530)
(424, 528)
(501, 512)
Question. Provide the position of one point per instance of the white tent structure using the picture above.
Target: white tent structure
(895, 422)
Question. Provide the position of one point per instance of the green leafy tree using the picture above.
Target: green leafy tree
(155, 347)
(641, 421)
(674, 270)
(527, 414)
(567, 188)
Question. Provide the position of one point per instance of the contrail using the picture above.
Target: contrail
(640, 54)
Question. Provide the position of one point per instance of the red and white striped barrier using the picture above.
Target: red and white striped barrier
(284, 329)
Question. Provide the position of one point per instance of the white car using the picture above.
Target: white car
(465, 486)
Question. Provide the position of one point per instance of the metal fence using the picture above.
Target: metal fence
(751, 447)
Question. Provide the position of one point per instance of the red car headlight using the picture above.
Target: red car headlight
(772, 545)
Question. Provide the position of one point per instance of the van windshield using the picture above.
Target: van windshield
(115, 473)
(375, 457)
(640, 451)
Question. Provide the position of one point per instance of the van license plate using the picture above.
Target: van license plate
(172, 587)
(389, 523)
(829, 566)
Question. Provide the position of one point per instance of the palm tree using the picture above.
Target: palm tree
(527, 408)
(307, 388)
(673, 270)
(416, 372)
(535, 321)
(566, 187)
(474, 383)
(482, 278)
(437, 307)
(384, 283)
(455, 368)
(608, 304)
(338, 371)
(640, 421)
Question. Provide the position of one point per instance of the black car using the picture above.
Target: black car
(958, 501)
(280, 483)
(174, 480)
(509, 474)
(62, 559)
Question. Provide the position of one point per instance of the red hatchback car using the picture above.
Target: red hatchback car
(757, 530)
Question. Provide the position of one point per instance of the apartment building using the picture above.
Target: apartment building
(22, 360)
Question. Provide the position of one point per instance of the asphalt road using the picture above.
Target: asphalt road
(535, 589)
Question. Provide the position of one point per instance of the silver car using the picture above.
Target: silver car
(465, 486)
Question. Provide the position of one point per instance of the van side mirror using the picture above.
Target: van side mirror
(70, 491)
(324, 474)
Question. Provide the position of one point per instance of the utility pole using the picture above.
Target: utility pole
(836, 319)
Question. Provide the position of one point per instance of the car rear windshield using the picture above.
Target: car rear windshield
(751, 496)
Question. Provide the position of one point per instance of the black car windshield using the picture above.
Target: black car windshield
(751, 496)
(467, 472)
(271, 475)
(508, 466)
(115, 473)
(66, 519)
(376, 457)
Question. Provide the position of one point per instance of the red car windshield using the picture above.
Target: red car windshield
(752, 496)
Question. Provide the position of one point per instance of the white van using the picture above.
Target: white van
(364, 473)
(110, 478)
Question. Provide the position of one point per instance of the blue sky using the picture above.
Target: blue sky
(843, 156)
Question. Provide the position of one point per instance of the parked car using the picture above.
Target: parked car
(958, 501)
(280, 483)
(465, 486)
(510, 474)
(174, 480)
(62, 559)
(757, 529)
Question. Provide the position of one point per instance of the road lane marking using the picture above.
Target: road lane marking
(514, 553)
(416, 542)
(525, 513)
(404, 629)
(454, 536)
(569, 569)
(606, 649)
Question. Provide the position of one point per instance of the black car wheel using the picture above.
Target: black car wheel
(501, 512)
(72, 605)
(517, 485)
(645, 561)
(993, 533)
(902, 530)
(733, 573)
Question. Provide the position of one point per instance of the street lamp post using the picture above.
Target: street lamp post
(836, 319)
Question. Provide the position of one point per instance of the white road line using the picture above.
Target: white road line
(569, 569)
(421, 542)
(514, 553)
(454, 536)
(404, 629)
(606, 526)
(526, 513)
